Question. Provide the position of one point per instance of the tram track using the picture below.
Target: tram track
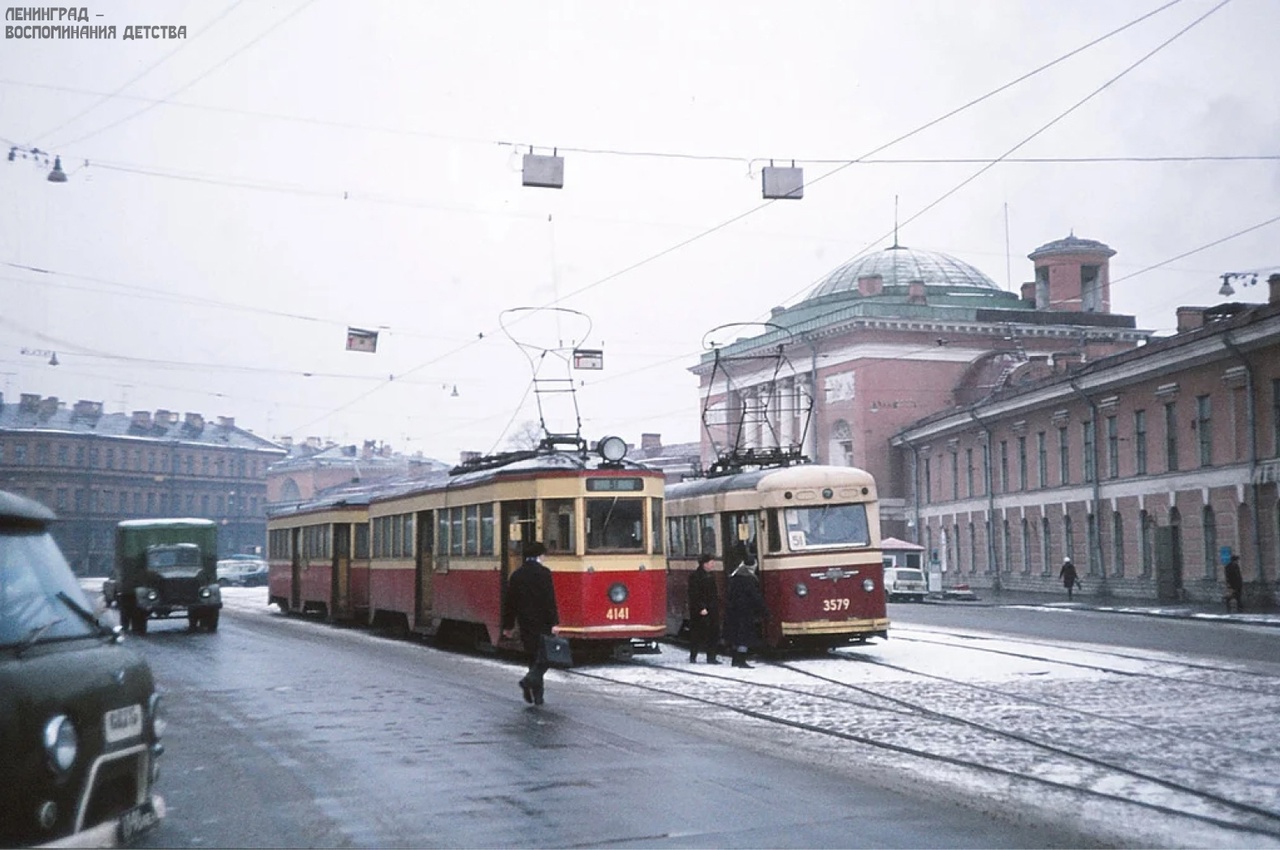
(1006, 754)
(1268, 682)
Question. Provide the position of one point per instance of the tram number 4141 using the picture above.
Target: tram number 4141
(835, 605)
(618, 614)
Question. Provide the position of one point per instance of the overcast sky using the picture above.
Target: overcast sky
(238, 198)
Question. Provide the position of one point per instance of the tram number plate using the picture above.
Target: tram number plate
(835, 605)
(618, 614)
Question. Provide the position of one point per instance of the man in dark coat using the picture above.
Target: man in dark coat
(1235, 581)
(531, 604)
(1068, 576)
(704, 612)
(745, 611)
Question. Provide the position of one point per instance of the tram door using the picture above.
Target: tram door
(339, 592)
(295, 570)
(424, 567)
(519, 523)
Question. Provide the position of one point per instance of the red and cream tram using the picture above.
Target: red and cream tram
(814, 532)
(318, 556)
(441, 553)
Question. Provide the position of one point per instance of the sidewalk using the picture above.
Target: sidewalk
(1116, 605)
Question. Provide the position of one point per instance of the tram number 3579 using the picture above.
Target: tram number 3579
(835, 604)
(618, 614)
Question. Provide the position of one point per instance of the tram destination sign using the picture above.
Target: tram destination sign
(614, 485)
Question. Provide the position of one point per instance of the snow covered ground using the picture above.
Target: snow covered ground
(914, 710)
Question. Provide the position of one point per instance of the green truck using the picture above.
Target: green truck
(165, 568)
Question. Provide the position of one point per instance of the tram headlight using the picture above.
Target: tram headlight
(612, 449)
(618, 593)
(868, 585)
(801, 590)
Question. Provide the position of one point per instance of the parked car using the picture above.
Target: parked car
(905, 583)
(242, 572)
(80, 718)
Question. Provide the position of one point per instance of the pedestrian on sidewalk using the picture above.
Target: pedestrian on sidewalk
(1069, 577)
(704, 612)
(531, 605)
(1235, 581)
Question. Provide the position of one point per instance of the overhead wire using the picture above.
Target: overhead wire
(751, 211)
(221, 63)
(106, 96)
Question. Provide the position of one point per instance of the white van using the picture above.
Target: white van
(905, 583)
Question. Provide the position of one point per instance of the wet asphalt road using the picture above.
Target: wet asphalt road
(295, 734)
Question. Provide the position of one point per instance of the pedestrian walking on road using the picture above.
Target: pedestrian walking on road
(746, 611)
(1068, 576)
(704, 612)
(530, 604)
(1235, 581)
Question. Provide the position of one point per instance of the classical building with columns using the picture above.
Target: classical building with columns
(896, 336)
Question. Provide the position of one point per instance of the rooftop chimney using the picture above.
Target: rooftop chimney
(1190, 319)
(29, 402)
(87, 409)
(195, 422)
(1029, 292)
(141, 419)
(48, 407)
(1274, 296)
(651, 442)
(468, 457)
(226, 422)
(165, 418)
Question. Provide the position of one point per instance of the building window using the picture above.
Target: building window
(204, 505)
(20, 453)
(42, 454)
(1064, 457)
(955, 475)
(1171, 436)
(1204, 429)
(1090, 455)
(1140, 442)
(64, 454)
(1117, 544)
(1210, 543)
(986, 467)
(111, 458)
(62, 498)
(955, 535)
(1275, 417)
(1068, 539)
(928, 482)
(973, 548)
(1095, 545)
(1022, 463)
(1042, 460)
(993, 565)
(1026, 547)
(1113, 447)
(1046, 548)
(1004, 466)
(151, 503)
(968, 459)
(1007, 546)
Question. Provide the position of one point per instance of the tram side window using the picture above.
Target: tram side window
(675, 540)
(362, 540)
(455, 531)
(473, 529)
(406, 540)
(775, 532)
(615, 524)
(707, 525)
(655, 523)
(692, 546)
(558, 523)
(486, 529)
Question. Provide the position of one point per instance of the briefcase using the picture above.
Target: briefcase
(554, 651)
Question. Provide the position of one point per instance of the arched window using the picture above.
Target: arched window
(841, 448)
(1210, 543)
(289, 492)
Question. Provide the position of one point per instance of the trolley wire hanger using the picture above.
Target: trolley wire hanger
(741, 430)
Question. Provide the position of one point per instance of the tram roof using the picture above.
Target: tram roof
(803, 475)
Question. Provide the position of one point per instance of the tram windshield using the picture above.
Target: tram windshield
(615, 525)
(826, 526)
